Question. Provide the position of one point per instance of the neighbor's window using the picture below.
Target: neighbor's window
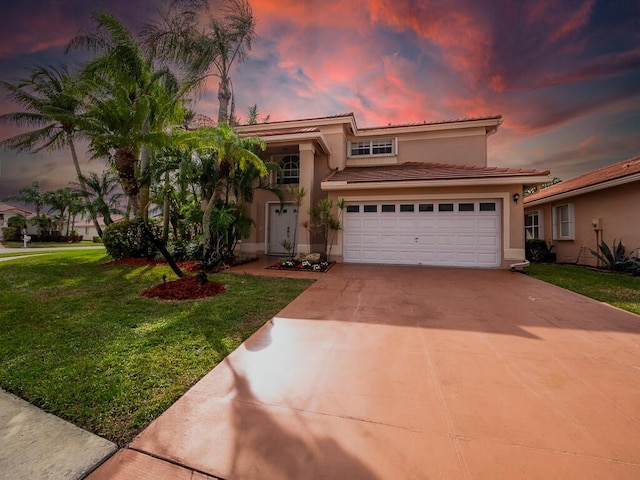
(532, 225)
(563, 222)
(375, 146)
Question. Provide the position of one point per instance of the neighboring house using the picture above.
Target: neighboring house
(7, 211)
(415, 194)
(87, 229)
(577, 214)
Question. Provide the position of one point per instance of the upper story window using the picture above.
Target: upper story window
(563, 222)
(289, 168)
(374, 146)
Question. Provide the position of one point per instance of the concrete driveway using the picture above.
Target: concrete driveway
(412, 373)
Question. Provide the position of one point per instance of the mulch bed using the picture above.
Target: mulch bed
(185, 288)
(298, 267)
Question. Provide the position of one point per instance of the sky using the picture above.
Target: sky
(564, 75)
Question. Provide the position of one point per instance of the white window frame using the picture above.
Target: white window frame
(560, 220)
(289, 176)
(530, 230)
(365, 147)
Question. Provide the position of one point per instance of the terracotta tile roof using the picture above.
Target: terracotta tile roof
(437, 122)
(8, 208)
(611, 172)
(424, 171)
(284, 131)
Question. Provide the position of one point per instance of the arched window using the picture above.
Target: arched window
(290, 165)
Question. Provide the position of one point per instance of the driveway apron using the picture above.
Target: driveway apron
(380, 372)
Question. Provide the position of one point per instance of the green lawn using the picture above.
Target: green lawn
(622, 291)
(77, 340)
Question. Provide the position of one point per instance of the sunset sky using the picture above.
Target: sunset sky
(565, 75)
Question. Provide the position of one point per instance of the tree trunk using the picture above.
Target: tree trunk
(83, 187)
(125, 160)
(166, 209)
(224, 96)
(160, 246)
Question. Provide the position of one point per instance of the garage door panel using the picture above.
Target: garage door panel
(466, 223)
(426, 240)
(487, 223)
(488, 240)
(448, 238)
(370, 224)
(487, 259)
(466, 240)
(386, 240)
(446, 223)
(406, 240)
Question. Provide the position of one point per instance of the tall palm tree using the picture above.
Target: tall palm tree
(178, 38)
(131, 104)
(52, 104)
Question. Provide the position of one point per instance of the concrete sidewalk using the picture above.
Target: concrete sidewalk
(37, 445)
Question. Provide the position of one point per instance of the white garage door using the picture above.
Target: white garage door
(462, 233)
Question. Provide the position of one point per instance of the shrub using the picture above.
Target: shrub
(537, 250)
(182, 250)
(11, 234)
(97, 239)
(17, 221)
(617, 258)
(125, 239)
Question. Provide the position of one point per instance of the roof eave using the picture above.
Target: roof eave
(460, 182)
(302, 123)
(490, 124)
(587, 189)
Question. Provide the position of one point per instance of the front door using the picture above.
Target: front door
(282, 220)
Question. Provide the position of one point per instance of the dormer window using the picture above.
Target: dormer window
(374, 146)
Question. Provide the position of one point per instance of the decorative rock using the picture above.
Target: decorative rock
(313, 258)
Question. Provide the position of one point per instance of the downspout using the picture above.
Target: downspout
(518, 267)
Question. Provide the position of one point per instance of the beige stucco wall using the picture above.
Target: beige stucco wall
(450, 147)
(618, 207)
(471, 150)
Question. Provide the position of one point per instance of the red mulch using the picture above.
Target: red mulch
(190, 266)
(185, 288)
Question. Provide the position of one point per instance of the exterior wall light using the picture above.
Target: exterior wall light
(516, 197)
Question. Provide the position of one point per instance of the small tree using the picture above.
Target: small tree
(325, 222)
(297, 195)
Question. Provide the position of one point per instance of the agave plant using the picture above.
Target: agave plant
(617, 258)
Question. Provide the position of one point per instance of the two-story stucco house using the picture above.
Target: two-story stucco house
(417, 194)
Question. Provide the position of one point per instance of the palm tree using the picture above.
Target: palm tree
(60, 200)
(31, 195)
(178, 38)
(52, 104)
(103, 195)
(226, 156)
(131, 104)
